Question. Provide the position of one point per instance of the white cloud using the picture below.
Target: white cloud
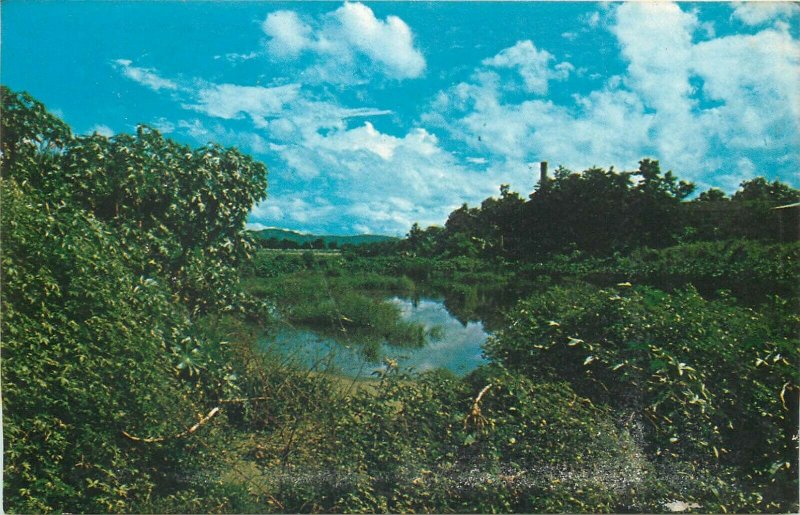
(362, 167)
(701, 104)
(533, 65)
(606, 127)
(144, 76)
(752, 79)
(759, 13)
(656, 41)
(373, 181)
(267, 210)
(289, 35)
(388, 42)
(203, 134)
(756, 78)
(229, 101)
(343, 39)
(103, 130)
(288, 113)
(163, 125)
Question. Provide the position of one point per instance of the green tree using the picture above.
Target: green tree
(763, 190)
(32, 139)
(110, 248)
(712, 195)
(90, 349)
(186, 206)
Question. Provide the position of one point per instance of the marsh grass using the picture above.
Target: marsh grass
(348, 308)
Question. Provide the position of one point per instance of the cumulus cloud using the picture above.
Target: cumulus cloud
(533, 66)
(343, 39)
(699, 103)
(378, 182)
(229, 101)
(605, 127)
(289, 36)
(759, 13)
(746, 96)
(656, 42)
(144, 76)
(755, 77)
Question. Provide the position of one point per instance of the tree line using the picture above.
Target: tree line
(601, 212)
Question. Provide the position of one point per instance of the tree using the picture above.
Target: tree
(32, 138)
(712, 195)
(186, 207)
(763, 190)
(498, 222)
(110, 250)
(90, 348)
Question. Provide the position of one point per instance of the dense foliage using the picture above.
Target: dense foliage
(183, 208)
(110, 249)
(644, 364)
(705, 384)
(600, 212)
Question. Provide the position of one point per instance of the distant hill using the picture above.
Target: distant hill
(301, 238)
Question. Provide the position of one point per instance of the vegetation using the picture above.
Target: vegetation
(284, 239)
(641, 365)
(341, 307)
(111, 250)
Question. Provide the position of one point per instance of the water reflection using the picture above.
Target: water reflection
(457, 347)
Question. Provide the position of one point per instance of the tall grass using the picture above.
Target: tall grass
(346, 307)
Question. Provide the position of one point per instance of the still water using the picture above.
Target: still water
(457, 347)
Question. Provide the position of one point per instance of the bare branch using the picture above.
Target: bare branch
(211, 414)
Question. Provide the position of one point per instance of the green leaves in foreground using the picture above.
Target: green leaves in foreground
(707, 384)
(85, 356)
(109, 247)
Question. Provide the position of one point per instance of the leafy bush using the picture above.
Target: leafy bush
(423, 445)
(109, 250)
(708, 385)
(750, 269)
(89, 350)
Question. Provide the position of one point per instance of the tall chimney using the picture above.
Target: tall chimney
(543, 174)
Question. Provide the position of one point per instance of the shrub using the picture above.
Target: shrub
(710, 385)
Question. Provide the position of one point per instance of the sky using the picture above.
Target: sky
(373, 116)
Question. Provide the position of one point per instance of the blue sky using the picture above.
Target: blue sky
(373, 116)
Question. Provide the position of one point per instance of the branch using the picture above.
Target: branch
(475, 415)
(242, 400)
(211, 414)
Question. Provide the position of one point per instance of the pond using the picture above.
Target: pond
(456, 347)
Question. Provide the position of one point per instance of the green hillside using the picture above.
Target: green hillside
(300, 238)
